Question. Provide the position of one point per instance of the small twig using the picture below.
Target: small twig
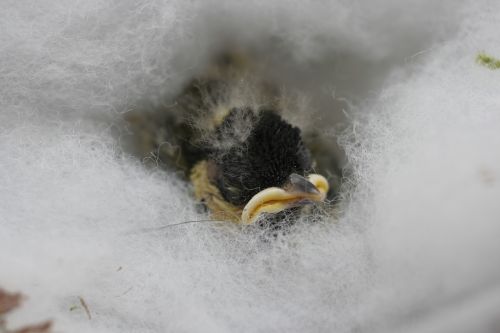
(39, 328)
(85, 307)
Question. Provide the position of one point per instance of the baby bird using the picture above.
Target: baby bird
(225, 132)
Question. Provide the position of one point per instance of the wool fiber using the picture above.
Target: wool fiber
(394, 85)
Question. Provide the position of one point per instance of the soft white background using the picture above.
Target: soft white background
(417, 246)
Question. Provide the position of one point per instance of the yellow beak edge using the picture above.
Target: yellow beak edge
(274, 199)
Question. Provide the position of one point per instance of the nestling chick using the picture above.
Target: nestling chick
(226, 133)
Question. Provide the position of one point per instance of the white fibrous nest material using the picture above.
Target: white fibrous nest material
(415, 247)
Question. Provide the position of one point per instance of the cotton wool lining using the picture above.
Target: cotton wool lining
(414, 246)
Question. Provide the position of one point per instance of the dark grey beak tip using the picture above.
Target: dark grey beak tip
(297, 183)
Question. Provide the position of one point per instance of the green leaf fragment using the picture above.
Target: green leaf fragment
(488, 61)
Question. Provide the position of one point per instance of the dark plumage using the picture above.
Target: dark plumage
(273, 151)
(243, 158)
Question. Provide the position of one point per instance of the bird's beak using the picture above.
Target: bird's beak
(298, 191)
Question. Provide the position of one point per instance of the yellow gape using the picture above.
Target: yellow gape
(274, 199)
(271, 200)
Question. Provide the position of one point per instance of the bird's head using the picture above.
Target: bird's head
(267, 168)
